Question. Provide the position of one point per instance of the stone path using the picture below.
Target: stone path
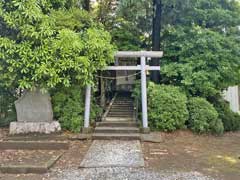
(119, 160)
(123, 173)
(114, 154)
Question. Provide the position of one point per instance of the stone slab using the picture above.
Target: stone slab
(113, 154)
(34, 145)
(34, 106)
(34, 127)
(153, 138)
(30, 164)
(80, 137)
(36, 137)
(125, 173)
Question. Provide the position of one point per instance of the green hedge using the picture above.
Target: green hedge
(68, 108)
(203, 117)
(7, 107)
(167, 107)
(230, 119)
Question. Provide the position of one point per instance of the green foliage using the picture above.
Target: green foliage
(68, 107)
(167, 107)
(47, 51)
(125, 37)
(200, 40)
(203, 117)
(7, 108)
(230, 119)
(202, 61)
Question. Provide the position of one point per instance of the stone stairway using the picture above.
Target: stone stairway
(119, 122)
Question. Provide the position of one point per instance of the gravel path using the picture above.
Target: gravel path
(114, 154)
(119, 160)
(120, 173)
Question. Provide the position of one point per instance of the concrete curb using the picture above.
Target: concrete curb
(34, 145)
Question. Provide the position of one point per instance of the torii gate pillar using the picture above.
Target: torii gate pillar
(144, 94)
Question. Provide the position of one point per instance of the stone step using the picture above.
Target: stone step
(117, 124)
(118, 102)
(120, 119)
(116, 114)
(116, 129)
(34, 145)
(38, 137)
(113, 136)
(121, 112)
(117, 108)
(122, 109)
(123, 115)
(123, 103)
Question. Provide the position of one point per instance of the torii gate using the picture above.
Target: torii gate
(143, 68)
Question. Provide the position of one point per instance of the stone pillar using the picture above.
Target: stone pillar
(232, 95)
(87, 128)
(144, 95)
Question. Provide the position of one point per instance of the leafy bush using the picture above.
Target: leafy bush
(230, 119)
(203, 117)
(7, 107)
(167, 107)
(68, 107)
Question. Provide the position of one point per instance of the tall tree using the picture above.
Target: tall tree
(156, 29)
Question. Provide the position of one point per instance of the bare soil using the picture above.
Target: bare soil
(218, 157)
(183, 151)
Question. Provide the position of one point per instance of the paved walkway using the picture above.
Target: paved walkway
(114, 154)
(121, 173)
(120, 160)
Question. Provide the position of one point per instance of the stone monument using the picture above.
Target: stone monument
(34, 114)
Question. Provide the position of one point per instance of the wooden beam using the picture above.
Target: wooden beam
(132, 68)
(136, 54)
(123, 68)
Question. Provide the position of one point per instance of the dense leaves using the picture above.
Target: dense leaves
(68, 107)
(230, 119)
(167, 107)
(7, 108)
(203, 118)
(204, 62)
(48, 51)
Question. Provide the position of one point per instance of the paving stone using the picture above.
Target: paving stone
(114, 154)
(120, 173)
(154, 138)
(18, 162)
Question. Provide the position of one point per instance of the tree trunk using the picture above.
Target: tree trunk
(156, 29)
(86, 5)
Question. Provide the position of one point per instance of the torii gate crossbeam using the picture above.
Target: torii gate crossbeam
(143, 68)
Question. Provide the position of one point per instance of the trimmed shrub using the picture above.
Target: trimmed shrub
(167, 107)
(68, 108)
(203, 117)
(230, 119)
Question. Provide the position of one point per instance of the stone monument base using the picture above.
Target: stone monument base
(34, 127)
